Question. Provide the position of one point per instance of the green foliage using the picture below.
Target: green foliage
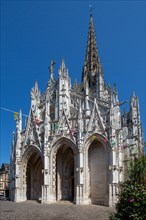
(132, 202)
(138, 170)
(132, 193)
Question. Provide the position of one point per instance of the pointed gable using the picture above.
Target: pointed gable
(96, 122)
(62, 126)
(31, 134)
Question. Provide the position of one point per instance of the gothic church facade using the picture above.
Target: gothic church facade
(75, 139)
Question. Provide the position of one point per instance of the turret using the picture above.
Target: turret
(115, 95)
(100, 82)
(80, 122)
(12, 148)
(35, 101)
(47, 116)
(135, 117)
(64, 89)
(115, 113)
(18, 134)
(35, 95)
(87, 109)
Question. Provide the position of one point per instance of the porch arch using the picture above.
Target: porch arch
(97, 175)
(32, 173)
(64, 154)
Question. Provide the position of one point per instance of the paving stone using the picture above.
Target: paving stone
(31, 210)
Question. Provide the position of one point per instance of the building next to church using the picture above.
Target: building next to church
(4, 180)
(75, 139)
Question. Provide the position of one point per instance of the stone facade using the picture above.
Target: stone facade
(4, 179)
(75, 139)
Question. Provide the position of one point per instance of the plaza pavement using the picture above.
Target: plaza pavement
(31, 210)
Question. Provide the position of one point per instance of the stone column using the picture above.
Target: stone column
(45, 187)
(52, 179)
(17, 188)
(80, 182)
(48, 193)
(113, 178)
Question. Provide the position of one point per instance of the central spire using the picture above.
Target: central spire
(92, 60)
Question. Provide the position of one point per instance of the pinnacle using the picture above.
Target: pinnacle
(63, 64)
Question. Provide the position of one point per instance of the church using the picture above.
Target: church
(76, 138)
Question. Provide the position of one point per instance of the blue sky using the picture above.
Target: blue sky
(34, 32)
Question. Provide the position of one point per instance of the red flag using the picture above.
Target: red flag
(73, 132)
(36, 120)
(105, 140)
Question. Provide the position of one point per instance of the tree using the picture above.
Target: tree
(138, 170)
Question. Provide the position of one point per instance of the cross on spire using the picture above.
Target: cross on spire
(90, 10)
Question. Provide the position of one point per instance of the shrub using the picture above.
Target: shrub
(132, 202)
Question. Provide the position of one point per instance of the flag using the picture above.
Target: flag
(124, 146)
(36, 120)
(16, 115)
(105, 140)
(73, 132)
(28, 141)
(113, 142)
(93, 137)
(56, 126)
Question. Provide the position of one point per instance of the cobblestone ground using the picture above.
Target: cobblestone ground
(31, 210)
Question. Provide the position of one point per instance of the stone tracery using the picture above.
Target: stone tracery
(82, 129)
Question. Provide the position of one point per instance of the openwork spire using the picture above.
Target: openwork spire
(92, 61)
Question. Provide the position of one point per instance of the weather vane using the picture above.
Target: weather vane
(90, 9)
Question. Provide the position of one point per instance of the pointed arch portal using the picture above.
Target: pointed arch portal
(34, 177)
(65, 174)
(97, 173)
